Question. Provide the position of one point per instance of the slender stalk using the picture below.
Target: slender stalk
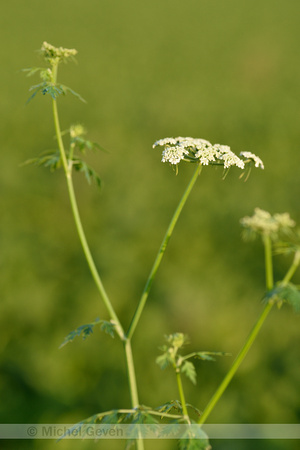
(251, 338)
(131, 374)
(57, 128)
(239, 359)
(181, 395)
(78, 223)
(132, 385)
(160, 254)
(268, 262)
(90, 260)
(292, 269)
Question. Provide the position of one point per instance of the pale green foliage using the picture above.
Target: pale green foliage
(284, 293)
(175, 405)
(189, 371)
(87, 329)
(52, 158)
(144, 415)
(48, 86)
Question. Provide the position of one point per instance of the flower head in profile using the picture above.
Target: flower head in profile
(204, 153)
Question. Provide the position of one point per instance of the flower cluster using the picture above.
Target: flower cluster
(77, 130)
(262, 222)
(202, 151)
(251, 156)
(176, 340)
(55, 55)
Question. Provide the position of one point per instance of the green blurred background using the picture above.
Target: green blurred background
(226, 71)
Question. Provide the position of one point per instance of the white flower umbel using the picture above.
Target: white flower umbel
(229, 158)
(257, 161)
(174, 154)
(201, 151)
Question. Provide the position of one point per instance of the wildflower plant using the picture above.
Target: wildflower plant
(277, 234)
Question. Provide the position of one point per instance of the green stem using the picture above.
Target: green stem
(79, 227)
(251, 338)
(90, 259)
(131, 374)
(160, 254)
(181, 395)
(292, 269)
(268, 262)
(239, 359)
(132, 385)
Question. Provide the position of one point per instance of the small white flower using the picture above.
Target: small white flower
(166, 141)
(230, 159)
(203, 152)
(174, 154)
(257, 161)
(201, 142)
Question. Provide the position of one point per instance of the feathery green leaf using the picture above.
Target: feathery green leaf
(189, 370)
(288, 293)
(90, 174)
(50, 158)
(87, 329)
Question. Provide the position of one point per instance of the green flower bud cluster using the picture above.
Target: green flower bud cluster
(55, 55)
(77, 130)
(177, 340)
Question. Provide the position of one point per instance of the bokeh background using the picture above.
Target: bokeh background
(226, 71)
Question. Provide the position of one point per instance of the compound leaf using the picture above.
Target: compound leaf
(167, 407)
(50, 158)
(209, 356)
(108, 328)
(163, 360)
(90, 174)
(189, 370)
(288, 293)
(67, 89)
(87, 329)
